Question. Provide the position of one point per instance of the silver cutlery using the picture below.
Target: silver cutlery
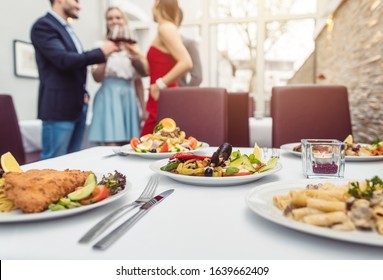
(275, 153)
(145, 196)
(125, 226)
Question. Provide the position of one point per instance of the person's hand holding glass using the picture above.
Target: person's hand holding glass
(120, 34)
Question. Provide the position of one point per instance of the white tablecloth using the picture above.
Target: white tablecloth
(195, 222)
(260, 131)
(31, 135)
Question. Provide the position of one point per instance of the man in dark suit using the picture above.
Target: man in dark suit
(62, 66)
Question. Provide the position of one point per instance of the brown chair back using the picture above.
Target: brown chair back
(10, 136)
(309, 111)
(200, 112)
(238, 119)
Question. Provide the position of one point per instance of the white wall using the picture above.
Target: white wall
(15, 23)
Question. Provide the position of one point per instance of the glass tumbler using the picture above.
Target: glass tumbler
(323, 158)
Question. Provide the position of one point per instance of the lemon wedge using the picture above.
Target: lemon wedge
(9, 163)
(257, 152)
(168, 125)
(349, 140)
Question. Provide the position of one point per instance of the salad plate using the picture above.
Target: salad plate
(211, 181)
(127, 150)
(18, 216)
(289, 148)
(260, 201)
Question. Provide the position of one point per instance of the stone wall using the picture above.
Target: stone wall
(351, 54)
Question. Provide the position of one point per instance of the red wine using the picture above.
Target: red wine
(123, 40)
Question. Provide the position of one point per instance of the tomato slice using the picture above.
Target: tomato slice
(192, 142)
(134, 142)
(100, 193)
(165, 148)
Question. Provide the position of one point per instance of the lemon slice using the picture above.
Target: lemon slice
(349, 140)
(257, 152)
(9, 163)
(168, 125)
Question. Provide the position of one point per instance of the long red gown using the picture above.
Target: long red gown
(160, 63)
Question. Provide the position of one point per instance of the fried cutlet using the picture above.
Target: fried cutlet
(32, 191)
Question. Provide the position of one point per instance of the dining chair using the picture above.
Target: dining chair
(309, 111)
(199, 111)
(238, 119)
(10, 137)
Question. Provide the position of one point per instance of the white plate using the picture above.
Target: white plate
(127, 150)
(260, 200)
(289, 148)
(18, 216)
(211, 181)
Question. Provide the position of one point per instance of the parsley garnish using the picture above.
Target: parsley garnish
(372, 185)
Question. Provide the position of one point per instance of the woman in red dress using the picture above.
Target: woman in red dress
(167, 59)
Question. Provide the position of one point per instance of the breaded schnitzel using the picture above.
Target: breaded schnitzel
(32, 191)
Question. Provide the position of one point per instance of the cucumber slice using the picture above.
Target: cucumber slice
(89, 186)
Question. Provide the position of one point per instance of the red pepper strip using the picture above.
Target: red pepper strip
(187, 156)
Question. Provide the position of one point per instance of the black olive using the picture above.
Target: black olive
(209, 172)
(1, 173)
(153, 151)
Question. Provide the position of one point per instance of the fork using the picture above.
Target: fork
(275, 153)
(145, 196)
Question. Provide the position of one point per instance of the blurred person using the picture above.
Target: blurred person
(196, 72)
(167, 59)
(116, 116)
(62, 66)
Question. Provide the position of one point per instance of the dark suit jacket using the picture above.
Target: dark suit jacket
(62, 70)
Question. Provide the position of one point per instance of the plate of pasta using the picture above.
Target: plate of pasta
(333, 209)
(211, 181)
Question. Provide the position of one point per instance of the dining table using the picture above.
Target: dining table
(196, 222)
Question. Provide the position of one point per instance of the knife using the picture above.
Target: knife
(125, 226)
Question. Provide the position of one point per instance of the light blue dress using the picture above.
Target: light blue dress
(115, 107)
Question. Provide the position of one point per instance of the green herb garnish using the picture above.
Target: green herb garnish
(372, 185)
(158, 127)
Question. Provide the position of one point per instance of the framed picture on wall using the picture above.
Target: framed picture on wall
(24, 60)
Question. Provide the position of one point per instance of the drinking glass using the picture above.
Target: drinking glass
(323, 158)
(120, 33)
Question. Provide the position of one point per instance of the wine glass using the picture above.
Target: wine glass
(120, 33)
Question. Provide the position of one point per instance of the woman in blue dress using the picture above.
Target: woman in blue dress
(116, 115)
